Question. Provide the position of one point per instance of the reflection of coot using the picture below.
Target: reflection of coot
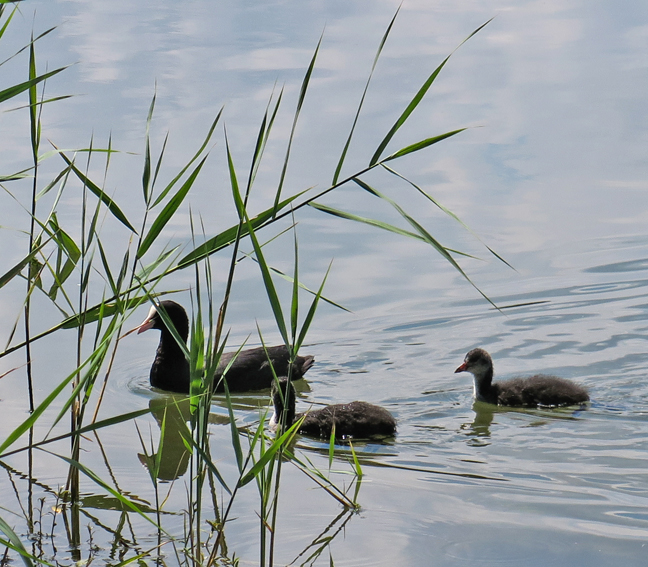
(249, 371)
(174, 439)
(539, 390)
(357, 419)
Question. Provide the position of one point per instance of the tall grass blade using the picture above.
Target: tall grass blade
(302, 286)
(9, 18)
(91, 314)
(236, 442)
(210, 465)
(15, 270)
(11, 92)
(294, 304)
(365, 220)
(168, 211)
(426, 236)
(262, 139)
(300, 102)
(447, 212)
(158, 164)
(311, 312)
(227, 237)
(338, 168)
(172, 183)
(265, 271)
(270, 452)
(15, 543)
(416, 100)
(68, 254)
(421, 145)
(33, 108)
(127, 503)
(96, 426)
(100, 194)
(146, 174)
(35, 415)
(356, 463)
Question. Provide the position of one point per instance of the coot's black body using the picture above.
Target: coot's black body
(534, 391)
(250, 371)
(356, 419)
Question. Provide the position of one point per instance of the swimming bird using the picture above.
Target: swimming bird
(533, 391)
(356, 419)
(249, 371)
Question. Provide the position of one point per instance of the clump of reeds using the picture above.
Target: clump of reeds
(95, 297)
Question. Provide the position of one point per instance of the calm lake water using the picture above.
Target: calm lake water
(552, 174)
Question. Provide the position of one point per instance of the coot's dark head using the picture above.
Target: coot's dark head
(478, 362)
(284, 400)
(176, 313)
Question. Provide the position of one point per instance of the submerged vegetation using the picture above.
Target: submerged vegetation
(74, 269)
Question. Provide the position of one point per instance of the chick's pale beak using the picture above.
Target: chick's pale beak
(461, 368)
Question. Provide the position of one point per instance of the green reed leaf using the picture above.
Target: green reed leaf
(371, 222)
(15, 544)
(168, 211)
(311, 312)
(172, 183)
(301, 285)
(407, 112)
(146, 173)
(236, 442)
(269, 284)
(300, 102)
(425, 236)
(35, 415)
(91, 315)
(227, 237)
(338, 168)
(96, 426)
(356, 463)
(262, 138)
(294, 304)
(447, 212)
(270, 452)
(420, 145)
(11, 92)
(126, 502)
(100, 194)
(13, 272)
(210, 464)
(9, 18)
(265, 272)
(418, 97)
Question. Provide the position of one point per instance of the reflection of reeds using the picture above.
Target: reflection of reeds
(95, 295)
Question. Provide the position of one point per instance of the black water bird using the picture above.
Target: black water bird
(533, 391)
(249, 371)
(356, 419)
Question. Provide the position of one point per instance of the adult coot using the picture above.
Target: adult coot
(249, 371)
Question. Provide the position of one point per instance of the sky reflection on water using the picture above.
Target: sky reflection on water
(552, 174)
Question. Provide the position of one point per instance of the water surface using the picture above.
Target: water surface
(552, 176)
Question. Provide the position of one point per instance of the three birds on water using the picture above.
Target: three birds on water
(250, 370)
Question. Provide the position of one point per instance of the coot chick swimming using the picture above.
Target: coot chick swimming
(534, 391)
(250, 370)
(357, 419)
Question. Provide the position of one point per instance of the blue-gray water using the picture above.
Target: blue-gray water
(552, 175)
